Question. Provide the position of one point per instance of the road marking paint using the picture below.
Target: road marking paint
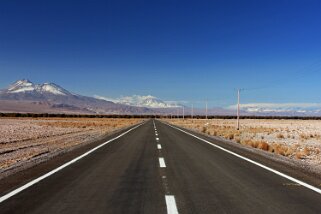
(253, 162)
(31, 183)
(157, 139)
(159, 146)
(156, 134)
(171, 204)
(162, 162)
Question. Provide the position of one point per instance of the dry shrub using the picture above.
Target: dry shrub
(246, 142)
(304, 136)
(289, 151)
(255, 144)
(280, 149)
(299, 155)
(280, 136)
(263, 145)
(306, 151)
(230, 136)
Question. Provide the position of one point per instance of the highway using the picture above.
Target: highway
(155, 168)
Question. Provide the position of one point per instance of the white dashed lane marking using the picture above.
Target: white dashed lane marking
(162, 163)
(171, 204)
(159, 146)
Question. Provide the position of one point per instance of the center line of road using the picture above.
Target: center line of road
(159, 146)
(31, 183)
(171, 204)
(162, 162)
(157, 139)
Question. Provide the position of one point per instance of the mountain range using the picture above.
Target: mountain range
(26, 97)
(148, 101)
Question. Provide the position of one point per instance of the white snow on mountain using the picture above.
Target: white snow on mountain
(23, 86)
(52, 88)
(141, 101)
(308, 108)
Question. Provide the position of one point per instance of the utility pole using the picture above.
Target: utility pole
(238, 110)
(206, 110)
(183, 113)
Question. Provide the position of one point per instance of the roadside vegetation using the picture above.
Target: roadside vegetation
(299, 139)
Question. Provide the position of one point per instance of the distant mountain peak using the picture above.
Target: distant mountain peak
(53, 88)
(23, 81)
(21, 86)
(148, 101)
(26, 86)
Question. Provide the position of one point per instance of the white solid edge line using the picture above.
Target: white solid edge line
(253, 162)
(29, 184)
(171, 204)
(162, 162)
(159, 146)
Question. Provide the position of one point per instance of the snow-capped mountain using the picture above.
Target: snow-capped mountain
(25, 96)
(141, 101)
(26, 86)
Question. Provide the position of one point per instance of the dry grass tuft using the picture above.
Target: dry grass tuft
(306, 151)
(299, 155)
(280, 136)
(230, 136)
(264, 146)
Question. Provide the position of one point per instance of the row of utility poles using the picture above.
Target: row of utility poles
(206, 111)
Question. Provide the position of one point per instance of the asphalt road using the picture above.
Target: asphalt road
(162, 171)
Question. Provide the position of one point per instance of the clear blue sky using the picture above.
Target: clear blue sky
(175, 50)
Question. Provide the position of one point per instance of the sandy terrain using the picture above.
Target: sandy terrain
(296, 139)
(32, 140)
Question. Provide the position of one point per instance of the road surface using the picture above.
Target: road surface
(155, 168)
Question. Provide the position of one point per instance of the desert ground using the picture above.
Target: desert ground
(25, 141)
(296, 139)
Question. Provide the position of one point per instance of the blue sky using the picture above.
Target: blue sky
(174, 50)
